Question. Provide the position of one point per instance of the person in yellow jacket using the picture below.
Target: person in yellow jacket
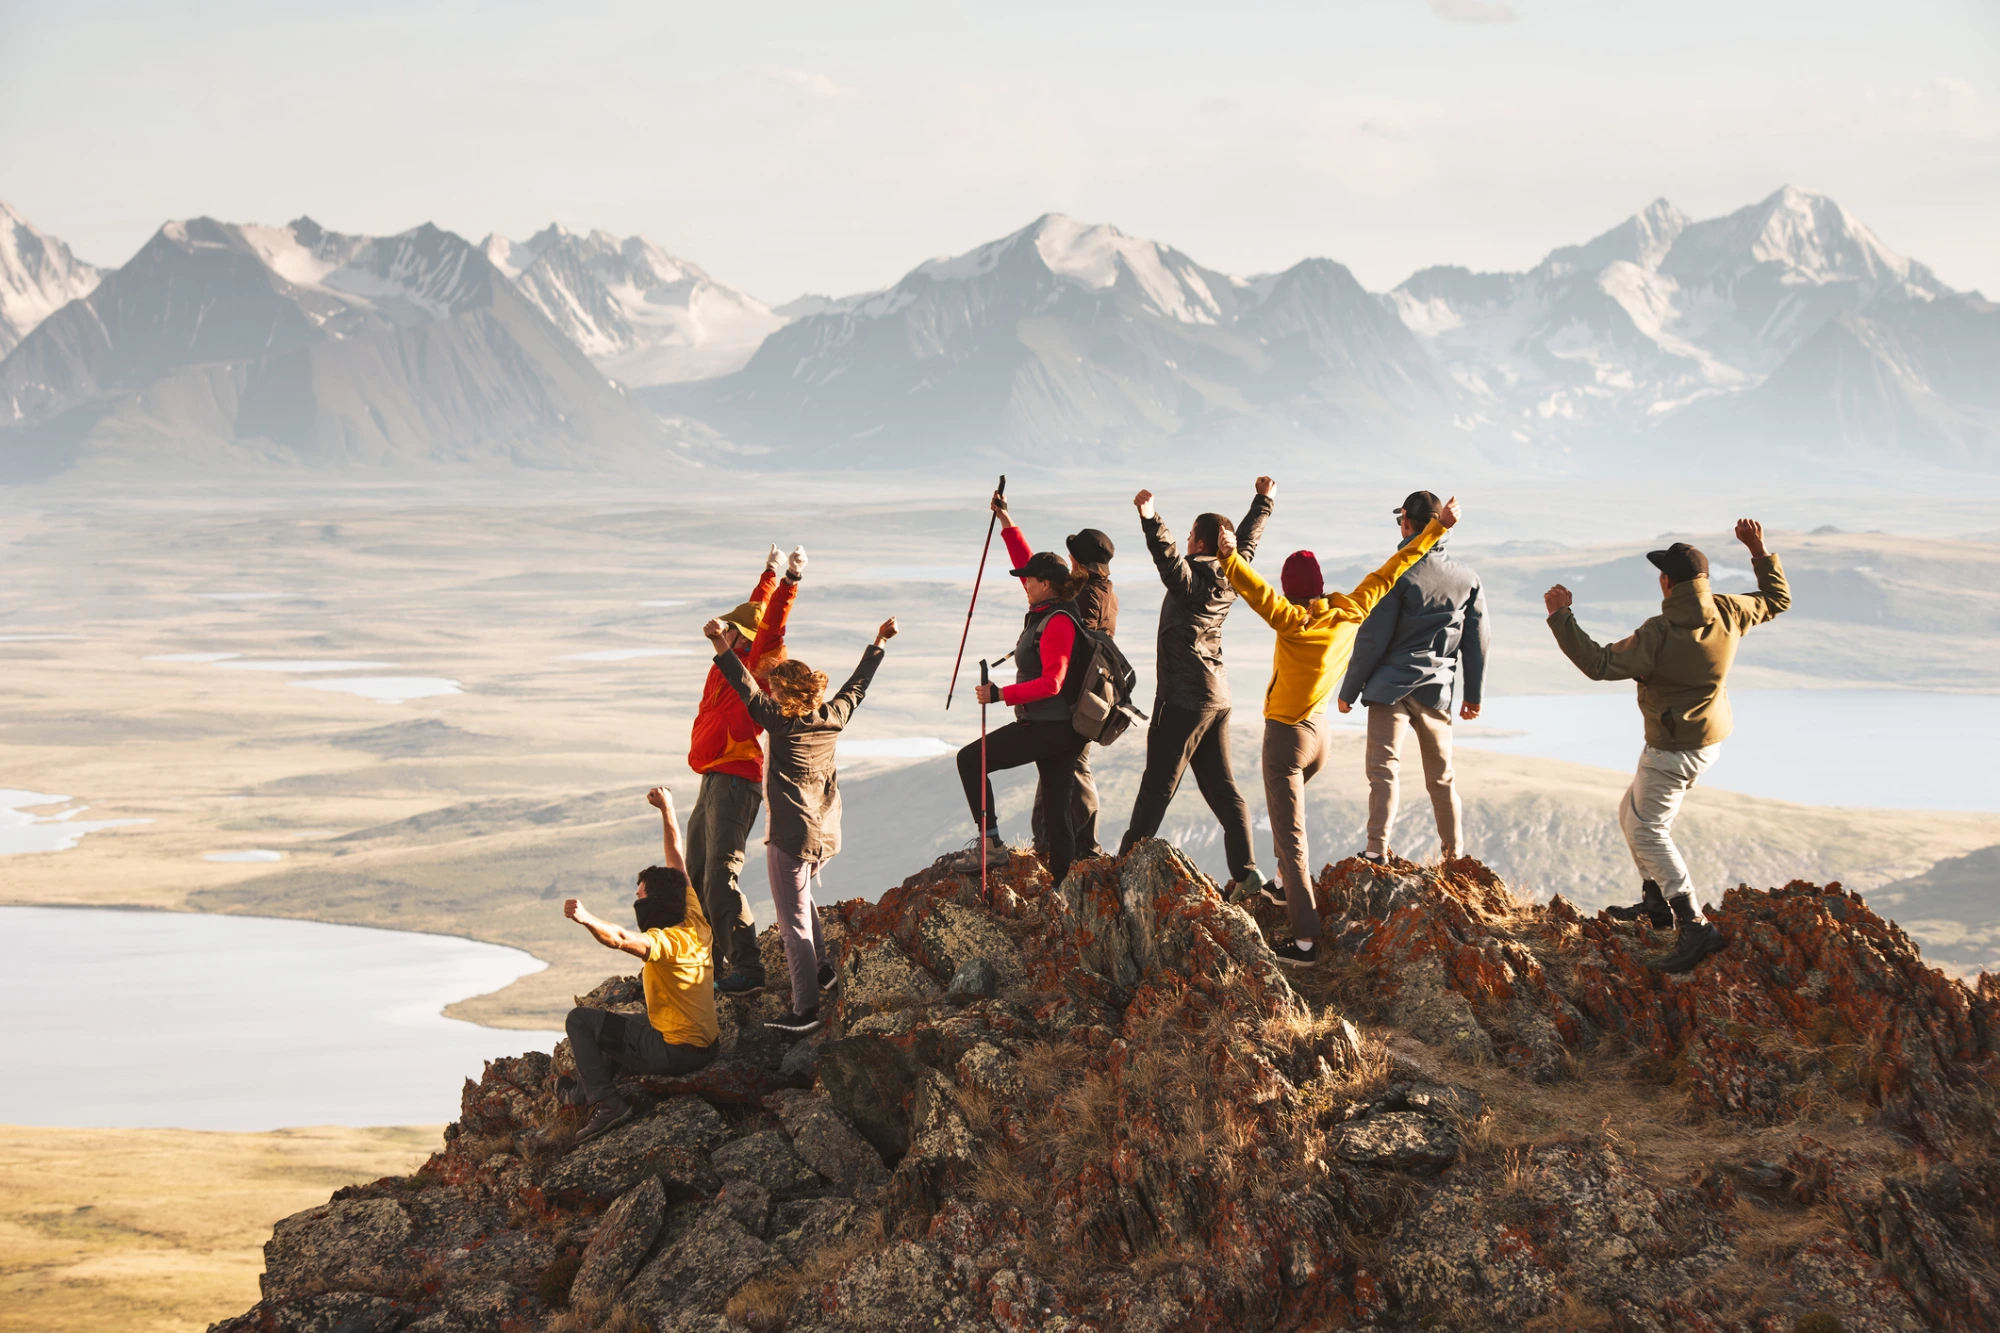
(1315, 636)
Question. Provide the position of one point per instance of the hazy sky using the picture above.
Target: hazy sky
(791, 147)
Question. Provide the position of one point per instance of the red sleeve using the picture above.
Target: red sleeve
(1018, 550)
(777, 611)
(766, 582)
(1058, 642)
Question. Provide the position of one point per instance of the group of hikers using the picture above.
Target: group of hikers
(1409, 642)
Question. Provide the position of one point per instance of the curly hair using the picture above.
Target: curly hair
(797, 688)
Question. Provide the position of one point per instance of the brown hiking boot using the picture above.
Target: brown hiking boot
(610, 1114)
(1697, 941)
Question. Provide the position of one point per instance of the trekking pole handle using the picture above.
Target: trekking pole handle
(984, 678)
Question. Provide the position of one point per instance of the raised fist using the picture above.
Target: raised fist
(1751, 533)
(1266, 486)
(795, 565)
(1449, 514)
(1143, 502)
(1557, 599)
(771, 561)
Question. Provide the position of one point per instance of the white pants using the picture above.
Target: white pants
(1646, 814)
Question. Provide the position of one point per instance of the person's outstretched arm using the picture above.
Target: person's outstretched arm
(1251, 530)
(1377, 632)
(1278, 611)
(840, 708)
(760, 592)
(1357, 604)
(1631, 658)
(1174, 571)
(1474, 643)
(1773, 596)
(606, 934)
(662, 799)
(1011, 536)
(758, 704)
(778, 611)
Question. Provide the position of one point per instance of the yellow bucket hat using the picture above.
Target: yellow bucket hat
(747, 619)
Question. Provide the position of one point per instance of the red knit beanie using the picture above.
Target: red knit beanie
(1301, 577)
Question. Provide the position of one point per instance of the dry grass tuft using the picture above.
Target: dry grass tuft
(1574, 1315)
(766, 1304)
(597, 1314)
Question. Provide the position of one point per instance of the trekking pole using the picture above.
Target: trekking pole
(956, 662)
(984, 899)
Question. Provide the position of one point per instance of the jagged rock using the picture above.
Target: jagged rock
(766, 1159)
(749, 1203)
(358, 1243)
(672, 1144)
(726, 1082)
(974, 979)
(827, 1143)
(622, 1241)
(802, 1227)
(800, 1064)
(333, 1312)
(871, 1080)
(1399, 1141)
(706, 1266)
(1155, 1132)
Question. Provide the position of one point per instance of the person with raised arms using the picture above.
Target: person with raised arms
(803, 793)
(725, 750)
(1190, 722)
(1681, 660)
(1315, 635)
(673, 942)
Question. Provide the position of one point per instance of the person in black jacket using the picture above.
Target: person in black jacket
(1190, 723)
(802, 794)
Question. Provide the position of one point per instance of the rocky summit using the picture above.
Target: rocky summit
(1104, 1105)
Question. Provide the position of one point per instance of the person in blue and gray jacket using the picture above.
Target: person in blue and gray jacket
(1422, 643)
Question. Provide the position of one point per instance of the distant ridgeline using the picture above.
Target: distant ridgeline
(1104, 1106)
(1785, 333)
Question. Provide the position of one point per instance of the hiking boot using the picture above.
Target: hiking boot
(828, 978)
(740, 983)
(612, 1112)
(1697, 941)
(798, 1025)
(1290, 953)
(1374, 858)
(966, 862)
(1273, 891)
(569, 1092)
(1652, 906)
(1248, 887)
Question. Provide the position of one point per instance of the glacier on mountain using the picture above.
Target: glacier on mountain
(38, 276)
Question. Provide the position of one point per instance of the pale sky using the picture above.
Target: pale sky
(830, 147)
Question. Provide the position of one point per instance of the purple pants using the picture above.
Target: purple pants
(798, 922)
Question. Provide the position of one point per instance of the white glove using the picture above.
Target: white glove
(771, 560)
(795, 566)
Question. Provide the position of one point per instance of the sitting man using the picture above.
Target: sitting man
(679, 1034)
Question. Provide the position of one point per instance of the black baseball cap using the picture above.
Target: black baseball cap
(1044, 565)
(1680, 562)
(1090, 547)
(1420, 507)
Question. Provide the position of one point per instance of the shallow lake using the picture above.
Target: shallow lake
(1893, 749)
(178, 1020)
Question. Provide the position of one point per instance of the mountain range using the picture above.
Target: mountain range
(1785, 331)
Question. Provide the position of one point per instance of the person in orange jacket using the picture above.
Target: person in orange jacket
(725, 750)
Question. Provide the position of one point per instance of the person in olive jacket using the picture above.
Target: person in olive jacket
(1190, 722)
(1681, 659)
(802, 792)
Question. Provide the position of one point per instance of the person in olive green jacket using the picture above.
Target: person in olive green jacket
(1681, 659)
(1315, 637)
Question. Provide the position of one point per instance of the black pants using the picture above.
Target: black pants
(603, 1042)
(1180, 739)
(1082, 811)
(1052, 747)
(725, 809)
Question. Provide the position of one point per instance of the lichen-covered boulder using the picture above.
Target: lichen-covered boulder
(357, 1244)
(767, 1160)
(709, 1263)
(621, 1242)
(827, 1142)
(672, 1144)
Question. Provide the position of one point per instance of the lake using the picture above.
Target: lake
(186, 1021)
(1892, 749)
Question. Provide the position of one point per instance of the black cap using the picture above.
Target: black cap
(1680, 562)
(1044, 565)
(1420, 507)
(1090, 547)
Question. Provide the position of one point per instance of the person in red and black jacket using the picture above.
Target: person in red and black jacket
(725, 750)
(1041, 733)
(1090, 553)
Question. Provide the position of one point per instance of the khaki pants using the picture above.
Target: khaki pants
(1293, 755)
(1646, 814)
(1386, 724)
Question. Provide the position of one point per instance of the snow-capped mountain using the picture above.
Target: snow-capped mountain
(38, 276)
(1655, 314)
(309, 345)
(642, 316)
(1069, 341)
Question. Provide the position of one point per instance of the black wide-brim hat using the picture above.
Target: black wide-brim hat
(1090, 547)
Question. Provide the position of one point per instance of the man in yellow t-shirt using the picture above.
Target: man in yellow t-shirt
(679, 1034)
